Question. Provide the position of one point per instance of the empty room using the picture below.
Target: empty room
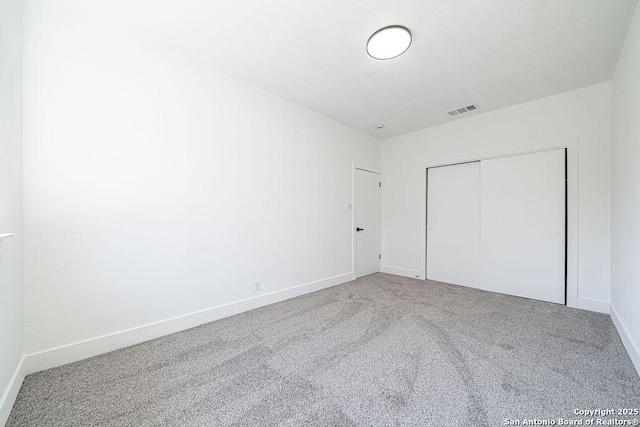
(319, 213)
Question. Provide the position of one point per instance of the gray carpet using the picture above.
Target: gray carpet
(381, 350)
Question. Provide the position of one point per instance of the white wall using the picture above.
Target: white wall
(10, 203)
(625, 193)
(156, 187)
(547, 122)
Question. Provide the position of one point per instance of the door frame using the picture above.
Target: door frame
(571, 211)
(354, 245)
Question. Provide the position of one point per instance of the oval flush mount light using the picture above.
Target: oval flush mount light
(389, 42)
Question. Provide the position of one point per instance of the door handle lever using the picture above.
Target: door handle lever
(359, 229)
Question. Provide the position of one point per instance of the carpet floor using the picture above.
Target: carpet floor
(380, 350)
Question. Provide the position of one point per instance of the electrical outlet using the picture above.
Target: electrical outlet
(256, 285)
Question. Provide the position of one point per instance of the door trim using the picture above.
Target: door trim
(571, 257)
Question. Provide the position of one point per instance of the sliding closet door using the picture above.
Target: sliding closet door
(523, 225)
(453, 224)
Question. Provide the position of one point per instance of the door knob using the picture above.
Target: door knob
(359, 229)
(558, 233)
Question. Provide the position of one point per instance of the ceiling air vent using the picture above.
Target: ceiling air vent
(461, 110)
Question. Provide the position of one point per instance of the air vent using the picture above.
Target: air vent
(462, 110)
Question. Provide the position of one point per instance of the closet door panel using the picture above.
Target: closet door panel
(522, 212)
(453, 224)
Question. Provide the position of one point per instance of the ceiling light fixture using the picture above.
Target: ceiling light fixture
(389, 42)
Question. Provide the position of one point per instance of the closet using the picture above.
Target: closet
(500, 225)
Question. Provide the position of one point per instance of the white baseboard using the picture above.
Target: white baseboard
(62, 355)
(632, 347)
(414, 274)
(10, 394)
(594, 305)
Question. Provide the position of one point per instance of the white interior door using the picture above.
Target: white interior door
(367, 213)
(453, 224)
(523, 225)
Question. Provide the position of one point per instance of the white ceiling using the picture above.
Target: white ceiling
(494, 53)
